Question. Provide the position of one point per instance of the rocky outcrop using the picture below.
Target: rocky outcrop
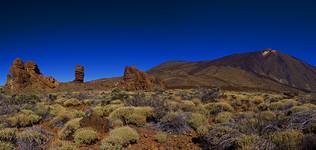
(79, 74)
(135, 79)
(28, 76)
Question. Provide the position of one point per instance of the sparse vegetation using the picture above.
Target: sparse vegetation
(161, 137)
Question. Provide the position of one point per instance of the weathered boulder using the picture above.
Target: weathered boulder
(79, 74)
(135, 79)
(28, 76)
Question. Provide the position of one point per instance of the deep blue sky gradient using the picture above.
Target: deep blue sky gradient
(107, 35)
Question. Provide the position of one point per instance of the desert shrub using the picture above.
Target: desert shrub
(6, 146)
(223, 117)
(41, 109)
(267, 116)
(65, 146)
(62, 115)
(69, 128)
(248, 125)
(174, 122)
(85, 136)
(283, 104)
(304, 107)
(119, 138)
(288, 139)
(197, 120)
(71, 102)
(249, 142)
(33, 139)
(117, 123)
(209, 95)
(161, 137)
(263, 107)
(257, 100)
(187, 106)
(219, 137)
(118, 94)
(104, 111)
(132, 115)
(214, 108)
(23, 118)
(160, 106)
(25, 99)
(309, 142)
(8, 134)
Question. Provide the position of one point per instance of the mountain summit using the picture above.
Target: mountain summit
(265, 69)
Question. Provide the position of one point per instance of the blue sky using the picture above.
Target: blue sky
(107, 35)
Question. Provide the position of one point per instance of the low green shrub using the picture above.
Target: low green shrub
(41, 109)
(23, 118)
(224, 117)
(118, 138)
(104, 111)
(32, 138)
(283, 104)
(288, 139)
(267, 116)
(85, 136)
(161, 137)
(65, 146)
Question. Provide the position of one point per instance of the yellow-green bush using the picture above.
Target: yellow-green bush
(65, 146)
(288, 139)
(119, 138)
(267, 115)
(71, 102)
(23, 118)
(283, 104)
(132, 115)
(214, 108)
(304, 107)
(63, 114)
(161, 137)
(7, 134)
(223, 117)
(246, 142)
(41, 109)
(69, 129)
(85, 136)
(197, 120)
(104, 111)
(6, 146)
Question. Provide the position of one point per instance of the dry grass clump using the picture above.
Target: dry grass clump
(161, 137)
(6, 146)
(69, 129)
(85, 136)
(62, 115)
(65, 146)
(119, 138)
(71, 102)
(223, 117)
(23, 119)
(132, 115)
(214, 108)
(246, 142)
(41, 109)
(288, 139)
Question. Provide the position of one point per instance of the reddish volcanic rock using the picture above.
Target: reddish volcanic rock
(79, 74)
(28, 75)
(135, 79)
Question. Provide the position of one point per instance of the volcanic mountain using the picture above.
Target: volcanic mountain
(267, 69)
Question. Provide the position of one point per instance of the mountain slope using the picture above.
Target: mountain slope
(267, 69)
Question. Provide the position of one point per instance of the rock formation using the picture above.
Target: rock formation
(135, 79)
(28, 76)
(79, 74)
